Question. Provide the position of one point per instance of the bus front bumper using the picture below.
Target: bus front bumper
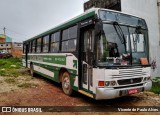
(110, 93)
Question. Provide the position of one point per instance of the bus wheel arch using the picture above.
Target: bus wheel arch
(65, 80)
(62, 70)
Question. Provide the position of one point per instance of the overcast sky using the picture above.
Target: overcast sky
(24, 19)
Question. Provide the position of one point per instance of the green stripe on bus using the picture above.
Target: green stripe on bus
(50, 59)
(51, 68)
(55, 70)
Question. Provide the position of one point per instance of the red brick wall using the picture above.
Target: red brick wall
(17, 53)
(2, 40)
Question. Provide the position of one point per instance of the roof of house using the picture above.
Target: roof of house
(8, 39)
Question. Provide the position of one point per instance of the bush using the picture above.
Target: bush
(8, 67)
(7, 63)
(156, 85)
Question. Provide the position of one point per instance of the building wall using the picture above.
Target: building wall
(17, 49)
(17, 53)
(148, 10)
(109, 4)
(7, 46)
(159, 15)
(17, 45)
(2, 40)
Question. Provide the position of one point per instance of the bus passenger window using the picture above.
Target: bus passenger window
(33, 46)
(69, 37)
(45, 43)
(30, 47)
(55, 42)
(39, 45)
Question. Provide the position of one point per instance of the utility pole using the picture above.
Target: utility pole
(5, 38)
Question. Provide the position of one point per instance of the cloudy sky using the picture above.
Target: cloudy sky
(24, 19)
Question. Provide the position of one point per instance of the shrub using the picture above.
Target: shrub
(156, 85)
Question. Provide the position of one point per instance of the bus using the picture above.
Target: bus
(101, 53)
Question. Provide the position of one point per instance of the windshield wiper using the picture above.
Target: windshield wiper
(120, 34)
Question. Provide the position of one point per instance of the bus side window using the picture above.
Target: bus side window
(55, 42)
(33, 46)
(69, 39)
(45, 46)
(38, 48)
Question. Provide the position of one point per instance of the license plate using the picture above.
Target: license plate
(132, 91)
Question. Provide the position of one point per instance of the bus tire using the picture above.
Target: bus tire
(66, 85)
(32, 70)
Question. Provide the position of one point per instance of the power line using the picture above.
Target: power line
(17, 32)
(14, 32)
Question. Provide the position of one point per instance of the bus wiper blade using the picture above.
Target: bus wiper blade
(120, 33)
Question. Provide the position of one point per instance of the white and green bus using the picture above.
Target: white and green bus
(101, 53)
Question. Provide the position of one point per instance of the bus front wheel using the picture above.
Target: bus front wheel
(66, 84)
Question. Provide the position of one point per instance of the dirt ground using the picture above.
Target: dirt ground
(49, 93)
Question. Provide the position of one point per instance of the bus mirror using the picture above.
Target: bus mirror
(99, 28)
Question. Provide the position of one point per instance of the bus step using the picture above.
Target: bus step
(85, 93)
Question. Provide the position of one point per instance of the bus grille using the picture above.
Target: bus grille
(129, 81)
(138, 72)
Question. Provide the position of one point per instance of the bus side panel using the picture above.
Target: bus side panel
(49, 66)
(47, 71)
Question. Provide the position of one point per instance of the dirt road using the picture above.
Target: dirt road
(49, 93)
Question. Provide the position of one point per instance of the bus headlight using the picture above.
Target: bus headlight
(112, 83)
(147, 78)
(107, 83)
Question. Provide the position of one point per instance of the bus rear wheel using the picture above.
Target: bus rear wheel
(66, 85)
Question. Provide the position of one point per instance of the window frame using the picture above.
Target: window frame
(56, 41)
(38, 45)
(45, 44)
(34, 45)
(68, 38)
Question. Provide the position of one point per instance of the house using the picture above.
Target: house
(6, 44)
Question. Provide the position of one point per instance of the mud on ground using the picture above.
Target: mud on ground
(44, 92)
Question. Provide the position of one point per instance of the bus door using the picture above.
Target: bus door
(26, 54)
(87, 43)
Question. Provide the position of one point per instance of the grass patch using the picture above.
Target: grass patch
(27, 85)
(156, 85)
(7, 63)
(11, 67)
(10, 73)
(10, 80)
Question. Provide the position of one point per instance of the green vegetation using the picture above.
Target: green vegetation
(12, 73)
(10, 80)
(27, 85)
(10, 66)
(156, 85)
(10, 63)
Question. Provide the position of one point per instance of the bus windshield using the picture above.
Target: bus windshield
(121, 18)
(123, 46)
